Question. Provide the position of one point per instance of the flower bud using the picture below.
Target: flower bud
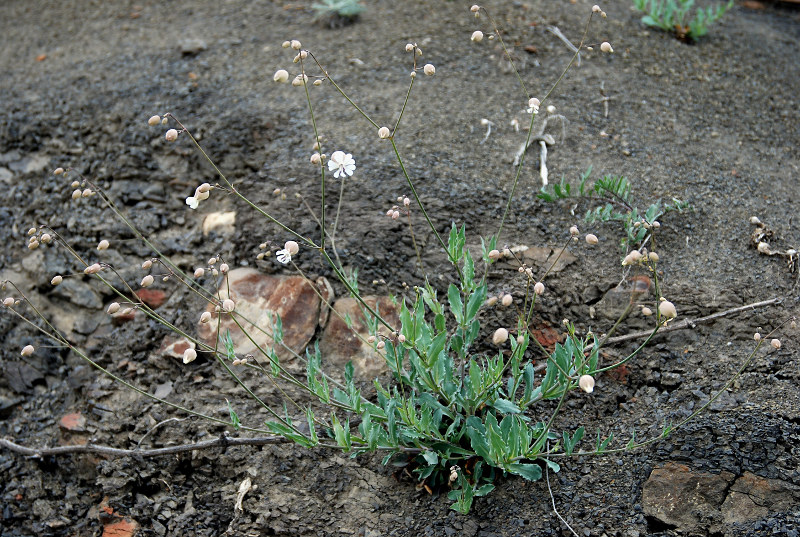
(776, 344)
(199, 272)
(533, 104)
(27, 350)
(475, 8)
(315, 159)
(205, 317)
(86, 192)
(429, 69)
(76, 194)
(295, 44)
(653, 257)
(286, 44)
(384, 133)
(147, 281)
(58, 171)
(299, 80)
(291, 247)
(45, 238)
(667, 309)
(228, 305)
(495, 254)
(591, 239)
(755, 220)
(538, 288)
(204, 188)
(381, 344)
(409, 47)
(573, 231)
(757, 336)
(153, 121)
(223, 268)
(596, 9)
(507, 300)
(647, 312)
(189, 355)
(605, 46)
(147, 264)
(500, 336)
(103, 245)
(93, 269)
(171, 135)
(56, 280)
(401, 338)
(491, 301)
(477, 36)
(8, 301)
(586, 382)
(34, 244)
(113, 308)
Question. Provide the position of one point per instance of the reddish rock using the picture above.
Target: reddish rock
(679, 497)
(152, 297)
(340, 344)
(257, 297)
(174, 346)
(752, 498)
(74, 422)
(115, 525)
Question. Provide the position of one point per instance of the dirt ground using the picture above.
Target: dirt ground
(716, 124)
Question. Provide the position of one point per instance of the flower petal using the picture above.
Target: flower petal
(192, 202)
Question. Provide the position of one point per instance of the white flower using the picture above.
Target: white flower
(192, 202)
(533, 106)
(343, 164)
(283, 256)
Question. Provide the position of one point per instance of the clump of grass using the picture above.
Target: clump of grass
(612, 201)
(335, 13)
(678, 17)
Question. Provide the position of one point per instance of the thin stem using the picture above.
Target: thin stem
(530, 129)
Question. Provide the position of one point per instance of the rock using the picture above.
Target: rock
(152, 297)
(614, 302)
(259, 297)
(79, 293)
(752, 498)
(679, 497)
(222, 223)
(340, 344)
(191, 46)
(5, 175)
(175, 346)
(74, 422)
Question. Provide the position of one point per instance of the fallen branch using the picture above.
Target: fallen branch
(222, 442)
(688, 323)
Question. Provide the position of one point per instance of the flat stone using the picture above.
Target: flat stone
(680, 497)
(259, 297)
(175, 346)
(152, 297)
(752, 498)
(191, 46)
(341, 344)
(6, 175)
(74, 422)
(222, 223)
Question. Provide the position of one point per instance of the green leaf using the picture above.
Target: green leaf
(474, 303)
(531, 472)
(234, 417)
(456, 305)
(505, 406)
(430, 457)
